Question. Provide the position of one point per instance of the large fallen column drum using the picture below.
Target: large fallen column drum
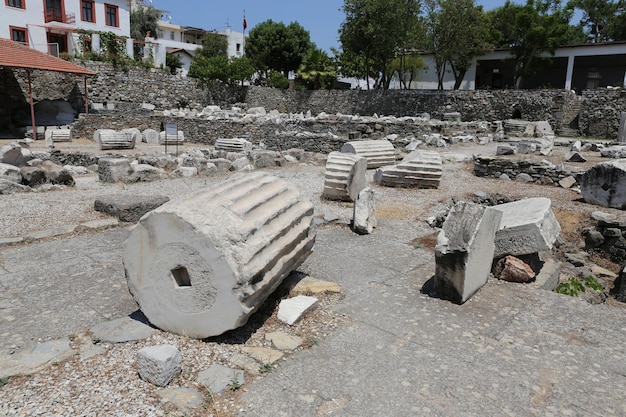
(377, 152)
(420, 169)
(201, 266)
(345, 176)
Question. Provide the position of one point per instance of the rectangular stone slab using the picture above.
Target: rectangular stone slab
(527, 226)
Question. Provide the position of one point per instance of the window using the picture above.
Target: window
(111, 13)
(20, 4)
(18, 34)
(87, 11)
(172, 35)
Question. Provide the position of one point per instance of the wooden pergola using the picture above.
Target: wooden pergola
(16, 55)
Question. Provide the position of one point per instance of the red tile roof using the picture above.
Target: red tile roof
(16, 55)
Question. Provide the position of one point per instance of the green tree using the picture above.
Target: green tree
(458, 34)
(209, 69)
(276, 46)
(530, 31)
(317, 71)
(173, 62)
(240, 69)
(378, 31)
(600, 18)
(214, 44)
(406, 67)
(352, 65)
(616, 28)
(142, 21)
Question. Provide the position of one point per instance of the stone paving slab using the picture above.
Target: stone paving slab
(51, 289)
(510, 350)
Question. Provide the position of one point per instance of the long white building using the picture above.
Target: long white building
(53, 26)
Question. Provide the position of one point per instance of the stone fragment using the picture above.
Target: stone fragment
(185, 172)
(620, 291)
(122, 330)
(129, 208)
(32, 176)
(293, 309)
(548, 276)
(523, 177)
(184, 398)
(621, 133)
(283, 341)
(593, 238)
(310, 285)
(11, 173)
(145, 173)
(233, 145)
(344, 176)
(602, 216)
(54, 135)
(577, 146)
(201, 266)
(567, 182)
(577, 259)
(464, 250)
(219, 377)
(575, 156)
(245, 362)
(364, 212)
(55, 231)
(14, 154)
(9, 187)
(616, 152)
(241, 164)
(159, 364)
(377, 152)
(171, 139)
(513, 269)
(421, 169)
(505, 150)
(543, 128)
(100, 224)
(150, 136)
(257, 111)
(527, 226)
(263, 355)
(36, 358)
(264, 159)
(111, 139)
(113, 169)
(56, 174)
(605, 184)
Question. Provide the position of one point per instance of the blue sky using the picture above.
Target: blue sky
(321, 18)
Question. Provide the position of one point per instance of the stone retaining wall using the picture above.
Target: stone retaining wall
(541, 173)
(128, 87)
(608, 238)
(600, 114)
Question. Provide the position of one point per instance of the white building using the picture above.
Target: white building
(177, 38)
(577, 67)
(54, 26)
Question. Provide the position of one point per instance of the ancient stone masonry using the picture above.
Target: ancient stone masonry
(605, 184)
(377, 152)
(233, 145)
(345, 176)
(602, 108)
(540, 172)
(421, 169)
(608, 236)
(202, 265)
(465, 248)
(111, 139)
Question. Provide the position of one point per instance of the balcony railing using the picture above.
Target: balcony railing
(56, 15)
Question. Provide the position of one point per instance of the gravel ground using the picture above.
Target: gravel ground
(107, 384)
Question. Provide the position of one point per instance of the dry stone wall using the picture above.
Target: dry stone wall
(126, 88)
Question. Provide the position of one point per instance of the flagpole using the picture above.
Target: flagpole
(245, 25)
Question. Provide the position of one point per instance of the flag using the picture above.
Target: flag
(245, 24)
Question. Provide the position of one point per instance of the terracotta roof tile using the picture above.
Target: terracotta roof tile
(16, 55)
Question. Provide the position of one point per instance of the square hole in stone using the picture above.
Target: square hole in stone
(181, 276)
